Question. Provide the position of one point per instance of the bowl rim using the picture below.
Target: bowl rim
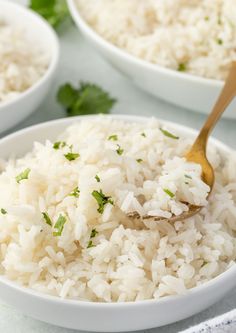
(230, 273)
(128, 57)
(54, 59)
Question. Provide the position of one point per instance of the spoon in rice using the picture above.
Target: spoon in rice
(197, 153)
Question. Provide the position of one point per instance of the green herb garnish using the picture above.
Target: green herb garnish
(139, 160)
(219, 41)
(90, 244)
(94, 232)
(87, 99)
(182, 67)
(119, 150)
(23, 175)
(168, 134)
(102, 200)
(3, 211)
(59, 225)
(71, 156)
(113, 137)
(54, 11)
(59, 144)
(168, 192)
(75, 193)
(144, 135)
(206, 18)
(47, 218)
(187, 176)
(97, 178)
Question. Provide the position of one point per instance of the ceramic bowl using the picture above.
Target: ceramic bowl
(185, 90)
(14, 111)
(107, 317)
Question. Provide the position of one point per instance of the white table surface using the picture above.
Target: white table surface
(79, 62)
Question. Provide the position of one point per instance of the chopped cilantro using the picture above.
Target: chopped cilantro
(187, 176)
(59, 144)
(113, 137)
(23, 175)
(139, 160)
(75, 193)
(168, 192)
(219, 41)
(54, 11)
(119, 150)
(59, 225)
(182, 67)
(94, 232)
(86, 99)
(144, 135)
(102, 200)
(3, 211)
(168, 134)
(72, 156)
(90, 244)
(206, 18)
(97, 178)
(47, 218)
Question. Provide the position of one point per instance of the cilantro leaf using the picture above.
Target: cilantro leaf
(3, 211)
(90, 244)
(94, 232)
(168, 192)
(59, 144)
(72, 156)
(119, 150)
(144, 135)
(113, 137)
(86, 99)
(102, 200)
(47, 218)
(23, 175)
(54, 11)
(59, 225)
(187, 176)
(182, 67)
(75, 193)
(139, 160)
(168, 134)
(97, 178)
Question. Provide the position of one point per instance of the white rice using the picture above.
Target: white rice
(198, 37)
(128, 260)
(22, 61)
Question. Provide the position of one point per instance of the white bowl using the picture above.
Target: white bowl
(186, 90)
(106, 317)
(14, 111)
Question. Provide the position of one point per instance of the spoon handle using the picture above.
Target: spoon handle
(225, 98)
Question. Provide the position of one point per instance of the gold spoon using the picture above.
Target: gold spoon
(197, 153)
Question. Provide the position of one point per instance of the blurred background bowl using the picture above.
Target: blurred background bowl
(14, 111)
(185, 90)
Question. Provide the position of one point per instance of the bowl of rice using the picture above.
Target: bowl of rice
(70, 254)
(179, 51)
(29, 52)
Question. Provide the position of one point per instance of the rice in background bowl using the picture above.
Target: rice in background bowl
(29, 53)
(189, 36)
(122, 260)
(22, 62)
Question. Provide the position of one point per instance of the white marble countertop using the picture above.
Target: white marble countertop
(79, 62)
